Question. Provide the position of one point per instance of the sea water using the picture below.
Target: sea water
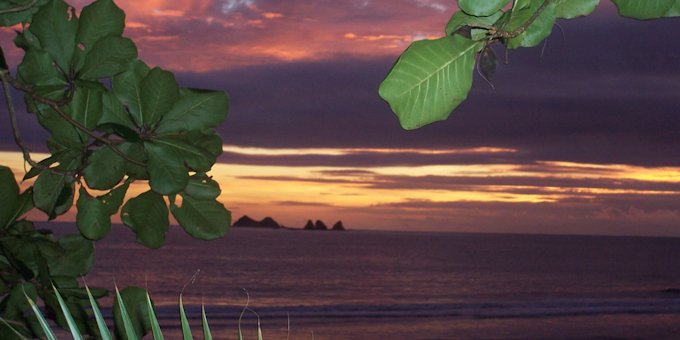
(406, 285)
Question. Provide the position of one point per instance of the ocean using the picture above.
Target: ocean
(406, 285)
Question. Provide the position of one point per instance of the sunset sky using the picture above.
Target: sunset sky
(582, 139)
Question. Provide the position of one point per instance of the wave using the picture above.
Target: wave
(516, 309)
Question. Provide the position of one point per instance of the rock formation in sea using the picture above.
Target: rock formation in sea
(319, 225)
(309, 225)
(338, 226)
(247, 222)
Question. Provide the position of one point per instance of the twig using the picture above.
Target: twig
(19, 8)
(500, 34)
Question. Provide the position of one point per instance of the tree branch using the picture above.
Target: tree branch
(19, 8)
(500, 34)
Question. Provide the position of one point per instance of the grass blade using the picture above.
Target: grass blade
(243, 311)
(127, 323)
(67, 315)
(204, 321)
(41, 319)
(186, 329)
(13, 329)
(101, 323)
(155, 327)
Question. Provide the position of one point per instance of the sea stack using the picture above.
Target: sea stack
(319, 225)
(309, 225)
(338, 226)
(247, 222)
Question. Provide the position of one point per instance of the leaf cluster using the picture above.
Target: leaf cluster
(113, 121)
(432, 77)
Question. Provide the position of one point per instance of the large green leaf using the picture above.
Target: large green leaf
(202, 187)
(114, 198)
(128, 88)
(37, 68)
(21, 11)
(539, 29)
(460, 19)
(159, 92)
(134, 151)
(202, 219)
(75, 260)
(104, 169)
(195, 110)
(134, 300)
(648, 9)
(86, 108)
(93, 218)
(430, 79)
(569, 9)
(53, 193)
(196, 157)
(108, 57)
(113, 112)
(9, 191)
(147, 216)
(98, 20)
(61, 131)
(167, 172)
(56, 25)
(481, 8)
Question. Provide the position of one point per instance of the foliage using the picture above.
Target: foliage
(112, 121)
(432, 77)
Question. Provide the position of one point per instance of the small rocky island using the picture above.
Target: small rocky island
(247, 222)
(269, 223)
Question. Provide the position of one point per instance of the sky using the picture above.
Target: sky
(580, 136)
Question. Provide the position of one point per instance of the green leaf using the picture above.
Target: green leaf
(55, 25)
(167, 172)
(204, 321)
(43, 322)
(86, 108)
(93, 218)
(481, 8)
(196, 157)
(38, 69)
(202, 219)
(100, 19)
(61, 132)
(211, 142)
(73, 327)
(430, 79)
(648, 9)
(22, 12)
(114, 198)
(104, 169)
(101, 323)
(127, 87)
(53, 193)
(108, 57)
(9, 191)
(155, 327)
(186, 329)
(159, 92)
(113, 112)
(75, 260)
(569, 9)
(134, 151)
(537, 31)
(460, 19)
(195, 110)
(130, 304)
(202, 187)
(147, 216)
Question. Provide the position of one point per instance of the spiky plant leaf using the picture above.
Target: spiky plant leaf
(155, 327)
(41, 319)
(101, 323)
(73, 327)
